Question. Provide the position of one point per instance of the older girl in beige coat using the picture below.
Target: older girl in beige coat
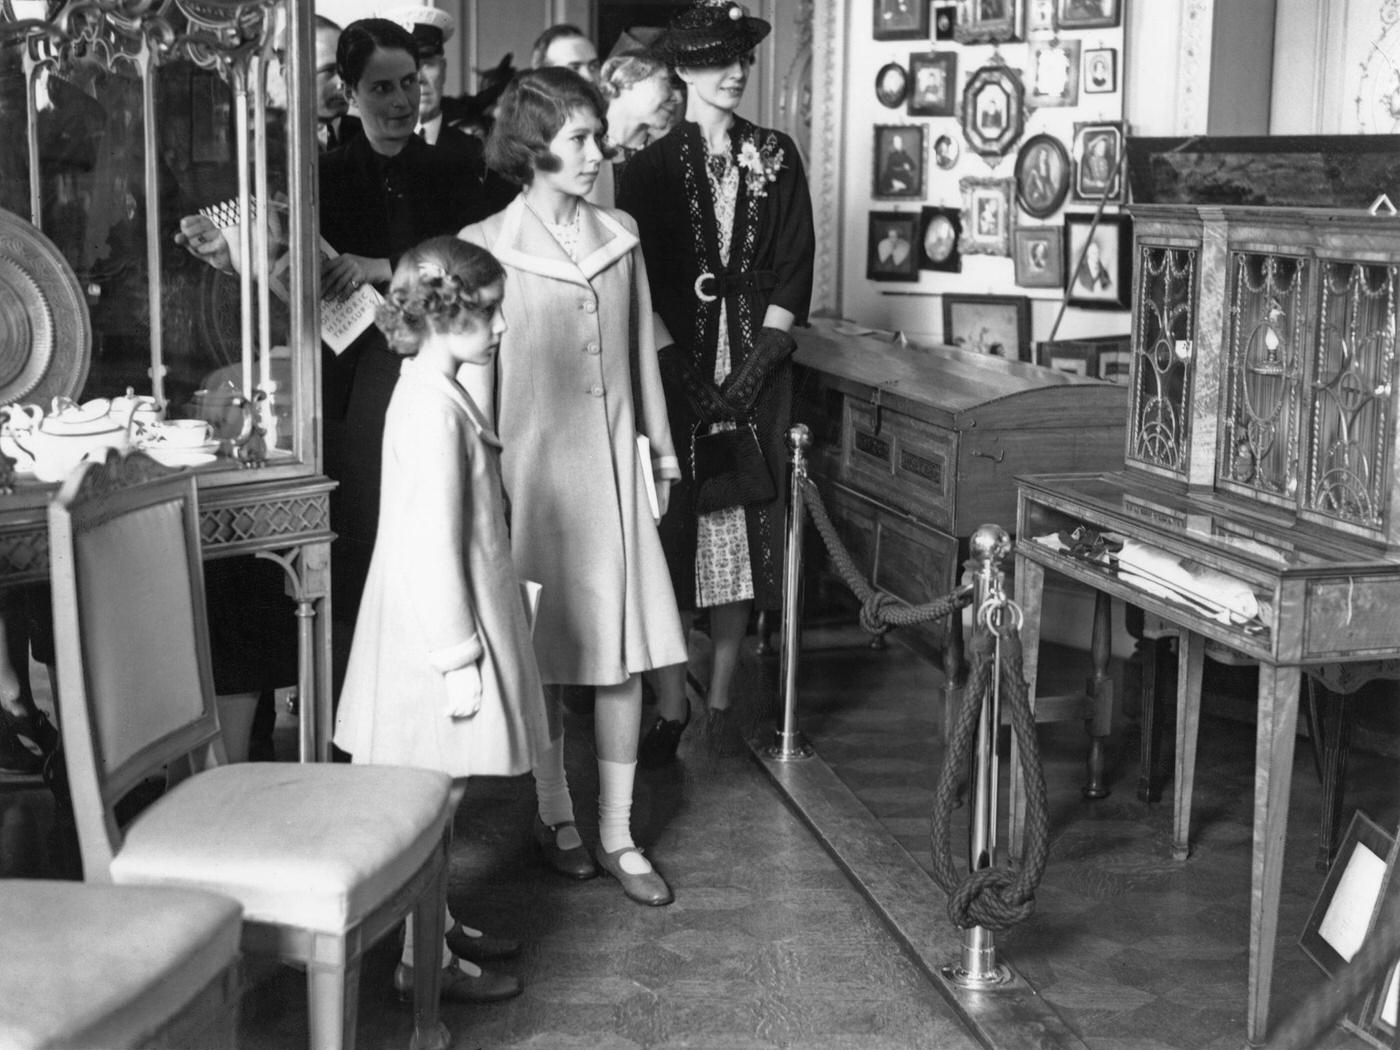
(575, 383)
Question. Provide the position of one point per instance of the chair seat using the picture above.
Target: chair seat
(317, 846)
(89, 964)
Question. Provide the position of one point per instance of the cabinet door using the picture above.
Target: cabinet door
(1159, 423)
(1266, 332)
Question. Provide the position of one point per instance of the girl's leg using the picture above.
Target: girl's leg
(617, 717)
(728, 625)
(669, 683)
(554, 829)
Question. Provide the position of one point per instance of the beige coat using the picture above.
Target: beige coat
(441, 593)
(577, 353)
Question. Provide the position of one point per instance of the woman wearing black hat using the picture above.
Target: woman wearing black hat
(726, 227)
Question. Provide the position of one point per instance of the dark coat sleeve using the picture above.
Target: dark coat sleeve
(794, 237)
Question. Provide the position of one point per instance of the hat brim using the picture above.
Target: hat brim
(698, 49)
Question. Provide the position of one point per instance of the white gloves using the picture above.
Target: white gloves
(463, 690)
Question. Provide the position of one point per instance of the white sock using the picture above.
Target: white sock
(552, 793)
(615, 781)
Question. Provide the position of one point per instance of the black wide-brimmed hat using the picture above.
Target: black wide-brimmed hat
(711, 33)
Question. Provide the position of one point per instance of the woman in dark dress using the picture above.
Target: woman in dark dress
(726, 226)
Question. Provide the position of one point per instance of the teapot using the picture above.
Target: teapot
(68, 434)
(141, 409)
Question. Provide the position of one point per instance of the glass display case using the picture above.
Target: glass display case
(158, 268)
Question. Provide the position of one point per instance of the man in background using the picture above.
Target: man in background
(565, 45)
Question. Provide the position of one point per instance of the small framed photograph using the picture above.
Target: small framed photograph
(1098, 261)
(1087, 14)
(891, 85)
(1039, 254)
(899, 162)
(1054, 73)
(893, 254)
(989, 22)
(1377, 1024)
(935, 83)
(1350, 896)
(993, 110)
(999, 325)
(945, 21)
(1042, 176)
(986, 216)
(1104, 357)
(901, 20)
(1098, 162)
(1040, 16)
(946, 151)
(1100, 73)
(942, 229)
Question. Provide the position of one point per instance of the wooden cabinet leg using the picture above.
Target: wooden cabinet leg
(1191, 657)
(1332, 717)
(1273, 775)
(1099, 688)
(1151, 653)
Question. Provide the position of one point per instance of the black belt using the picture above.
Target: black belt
(712, 286)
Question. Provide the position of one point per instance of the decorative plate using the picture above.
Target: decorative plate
(45, 331)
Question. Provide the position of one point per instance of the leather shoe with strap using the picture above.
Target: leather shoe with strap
(483, 947)
(647, 888)
(574, 862)
(459, 986)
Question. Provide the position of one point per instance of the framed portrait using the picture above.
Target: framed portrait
(1098, 162)
(901, 20)
(1042, 176)
(999, 325)
(1350, 896)
(1040, 16)
(1039, 254)
(1054, 79)
(1104, 357)
(934, 83)
(993, 110)
(893, 254)
(986, 216)
(1087, 14)
(946, 151)
(945, 21)
(1100, 71)
(989, 22)
(941, 230)
(1098, 261)
(899, 162)
(891, 85)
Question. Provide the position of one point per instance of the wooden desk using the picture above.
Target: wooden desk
(1333, 599)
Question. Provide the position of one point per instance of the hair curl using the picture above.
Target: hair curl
(436, 288)
(531, 110)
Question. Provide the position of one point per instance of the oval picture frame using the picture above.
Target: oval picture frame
(1042, 176)
(892, 85)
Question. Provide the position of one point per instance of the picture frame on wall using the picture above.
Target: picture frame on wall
(893, 251)
(989, 22)
(933, 80)
(1039, 255)
(993, 109)
(1098, 261)
(997, 325)
(939, 240)
(946, 151)
(986, 216)
(1087, 14)
(891, 85)
(901, 20)
(1098, 162)
(899, 168)
(945, 21)
(1042, 176)
(1100, 72)
(1040, 16)
(1054, 79)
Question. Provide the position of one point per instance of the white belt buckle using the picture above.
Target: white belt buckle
(701, 295)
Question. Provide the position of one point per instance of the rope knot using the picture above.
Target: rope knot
(981, 900)
(872, 612)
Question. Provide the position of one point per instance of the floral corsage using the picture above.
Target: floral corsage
(761, 166)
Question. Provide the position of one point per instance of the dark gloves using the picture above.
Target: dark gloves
(771, 348)
(679, 371)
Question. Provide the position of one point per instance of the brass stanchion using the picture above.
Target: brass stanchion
(978, 966)
(788, 744)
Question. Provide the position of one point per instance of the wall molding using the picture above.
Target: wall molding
(829, 46)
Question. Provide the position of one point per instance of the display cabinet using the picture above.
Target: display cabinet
(1256, 505)
(123, 120)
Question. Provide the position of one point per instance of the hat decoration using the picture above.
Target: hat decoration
(711, 33)
(431, 27)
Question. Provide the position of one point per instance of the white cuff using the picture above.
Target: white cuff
(455, 656)
(668, 467)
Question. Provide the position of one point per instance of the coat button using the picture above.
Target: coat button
(589, 306)
(590, 348)
(596, 390)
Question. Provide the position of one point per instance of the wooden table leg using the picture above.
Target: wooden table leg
(1191, 656)
(1331, 716)
(1099, 689)
(1030, 588)
(1273, 776)
(1151, 652)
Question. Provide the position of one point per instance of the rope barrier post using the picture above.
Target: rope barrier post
(978, 967)
(788, 744)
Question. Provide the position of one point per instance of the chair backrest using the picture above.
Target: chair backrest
(135, 688)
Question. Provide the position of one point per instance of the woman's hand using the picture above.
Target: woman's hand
(341, 276)
(463, 690)
(663, 495)
(201, 238)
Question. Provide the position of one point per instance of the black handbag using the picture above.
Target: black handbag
(729, 469)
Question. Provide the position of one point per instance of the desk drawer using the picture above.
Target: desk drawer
(904, 462)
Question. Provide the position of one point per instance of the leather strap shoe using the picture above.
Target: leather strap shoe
(480, 948)
(575, 862)
(648, 888)
(458, 986)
